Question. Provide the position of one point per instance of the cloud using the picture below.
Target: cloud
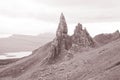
(30, 26)
(38, 16)
(27, 26)
(75, 10)
(87, 3)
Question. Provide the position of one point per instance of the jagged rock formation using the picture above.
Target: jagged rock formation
(63, 42)
(103, 39)
(62, 28)
(81, 37)
(62, 37)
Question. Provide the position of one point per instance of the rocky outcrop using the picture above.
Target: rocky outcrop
(63, 43)
(103, 39)
(81, 37)
(62, 37)
(62, 27)
(116, 35)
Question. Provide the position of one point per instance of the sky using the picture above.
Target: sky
(32, 17)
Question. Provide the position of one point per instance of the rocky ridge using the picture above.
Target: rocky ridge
(103, 39)
(63, 43)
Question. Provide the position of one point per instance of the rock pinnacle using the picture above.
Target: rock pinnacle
(62, 27)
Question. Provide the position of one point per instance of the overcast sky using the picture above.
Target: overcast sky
(32, 17)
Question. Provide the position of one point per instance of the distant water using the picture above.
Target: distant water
(14, 55)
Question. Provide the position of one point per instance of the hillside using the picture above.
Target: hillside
(103, 39)
(75, 57)
(98, 64)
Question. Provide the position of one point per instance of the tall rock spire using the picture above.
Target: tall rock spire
(62, 41)
(62, 27)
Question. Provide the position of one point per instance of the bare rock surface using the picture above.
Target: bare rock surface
(61, 42)
(81, 37)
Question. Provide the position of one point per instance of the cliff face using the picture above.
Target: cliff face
(63, 42)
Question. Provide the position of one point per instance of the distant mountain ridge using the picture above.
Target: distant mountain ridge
(16, 43)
